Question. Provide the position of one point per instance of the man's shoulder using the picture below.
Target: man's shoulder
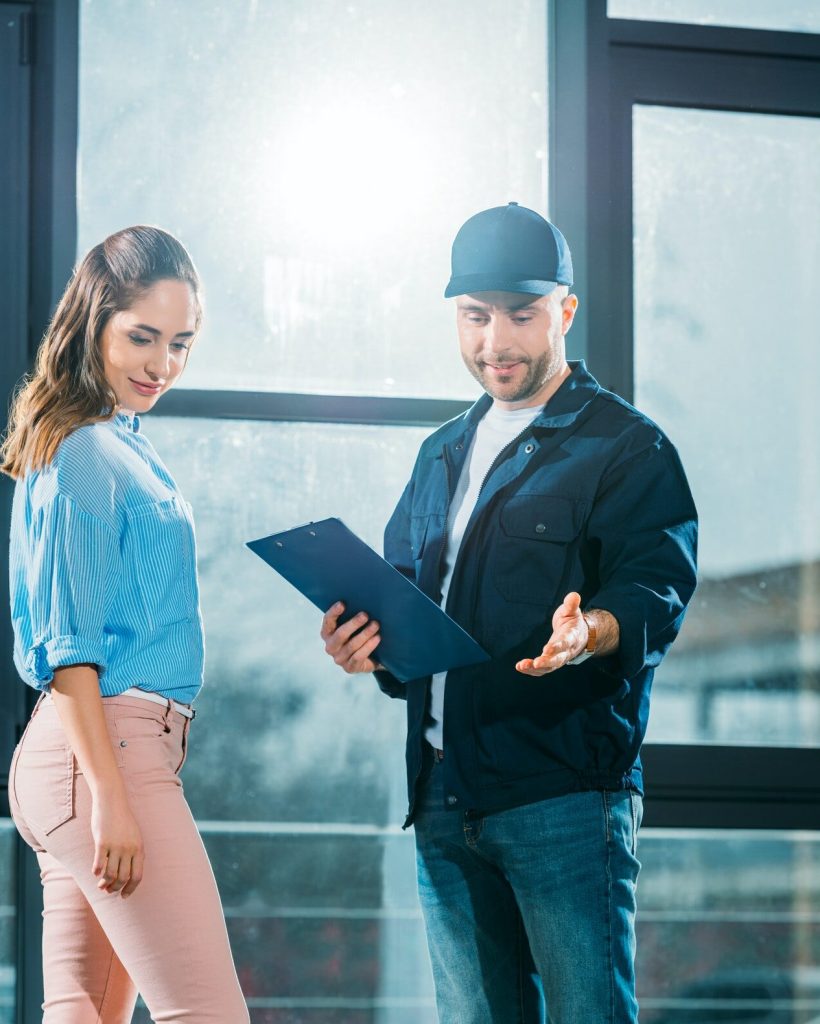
(626, 421)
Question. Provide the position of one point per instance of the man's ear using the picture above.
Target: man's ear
(569, 307)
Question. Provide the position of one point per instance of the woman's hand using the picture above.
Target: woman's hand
(118, 851)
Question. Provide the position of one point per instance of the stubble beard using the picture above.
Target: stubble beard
(539, 372)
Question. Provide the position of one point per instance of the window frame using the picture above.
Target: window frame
(614, 64)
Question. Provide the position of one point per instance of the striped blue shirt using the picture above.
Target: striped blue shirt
(103, 567)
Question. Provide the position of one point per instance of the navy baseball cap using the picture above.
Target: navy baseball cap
(509, 249)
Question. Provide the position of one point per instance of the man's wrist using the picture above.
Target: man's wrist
(603, 635)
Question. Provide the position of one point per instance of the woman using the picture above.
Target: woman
(105, 606)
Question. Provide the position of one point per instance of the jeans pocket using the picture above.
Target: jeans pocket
(185, 731)
(43, 784)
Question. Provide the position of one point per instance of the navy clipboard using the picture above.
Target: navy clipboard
(327, 562)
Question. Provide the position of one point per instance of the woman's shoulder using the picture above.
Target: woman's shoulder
(85, 471)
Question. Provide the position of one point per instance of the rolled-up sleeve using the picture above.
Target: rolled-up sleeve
(644, 526)
(64, 579)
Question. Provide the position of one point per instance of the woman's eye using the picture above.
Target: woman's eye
(138, 340)
(179, 346)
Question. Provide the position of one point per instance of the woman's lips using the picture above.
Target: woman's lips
(146, 389)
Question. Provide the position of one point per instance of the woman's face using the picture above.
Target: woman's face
(145, 348)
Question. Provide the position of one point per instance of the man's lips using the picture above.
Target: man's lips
(501, 368)
(145, 388)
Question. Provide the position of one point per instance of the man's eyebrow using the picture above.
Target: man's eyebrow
(157, 333)
(522, 305)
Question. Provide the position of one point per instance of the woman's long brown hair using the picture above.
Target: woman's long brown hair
(68, 387)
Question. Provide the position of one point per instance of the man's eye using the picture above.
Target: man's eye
(522, 319)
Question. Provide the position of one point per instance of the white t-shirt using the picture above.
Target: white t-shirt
(498, 428)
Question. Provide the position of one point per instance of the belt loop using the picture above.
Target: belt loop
(40, 699)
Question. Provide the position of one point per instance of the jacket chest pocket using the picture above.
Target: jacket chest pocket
(160, 558)
(534, 547)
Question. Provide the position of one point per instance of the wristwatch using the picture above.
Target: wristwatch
(592, 642)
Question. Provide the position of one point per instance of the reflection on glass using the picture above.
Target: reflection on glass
(788, 16)
(318, 160)
(729, 927)
(727, 245)
(296, 772)
(8, 923)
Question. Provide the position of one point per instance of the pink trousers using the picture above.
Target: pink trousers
(168, 940)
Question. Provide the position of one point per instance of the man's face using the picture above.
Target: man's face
(513, 344)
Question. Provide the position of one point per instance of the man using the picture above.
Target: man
(551, 517)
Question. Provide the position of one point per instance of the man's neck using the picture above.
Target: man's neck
(541, 397)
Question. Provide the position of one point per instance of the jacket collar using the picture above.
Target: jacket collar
(565, 406)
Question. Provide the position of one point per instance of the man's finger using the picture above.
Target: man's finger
(330, 619)
(347, 650)
(343, 633)
(357, 662)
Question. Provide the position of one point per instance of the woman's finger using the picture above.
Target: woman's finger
(111, 872)
(100, 860)
(137, 868)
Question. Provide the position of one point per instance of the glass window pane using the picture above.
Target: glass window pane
(728, 927)
(296, 771)
(792, 16)
(317, 159)
(727, 246)
(8, 922)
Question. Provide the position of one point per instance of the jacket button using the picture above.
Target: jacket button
(452, 799)
(530, 448)
(540, 528)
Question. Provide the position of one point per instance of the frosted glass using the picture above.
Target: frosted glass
(727, 359)
(797, 16)
(296, 771)
(316, 744)
(317, 159)
(728, 927)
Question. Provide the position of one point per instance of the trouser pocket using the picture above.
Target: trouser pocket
(43, 785)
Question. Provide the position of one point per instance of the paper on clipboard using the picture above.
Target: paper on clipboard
(327, 562)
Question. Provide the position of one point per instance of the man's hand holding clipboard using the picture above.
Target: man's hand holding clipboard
(350, 582)
(352, 644)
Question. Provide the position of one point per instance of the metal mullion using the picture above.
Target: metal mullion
(710, 786)
(310, 408)
(716, 39)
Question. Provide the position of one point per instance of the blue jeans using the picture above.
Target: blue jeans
(530, 912)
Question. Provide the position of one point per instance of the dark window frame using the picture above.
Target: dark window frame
(613, 64)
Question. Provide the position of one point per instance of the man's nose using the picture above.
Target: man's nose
(496, 337)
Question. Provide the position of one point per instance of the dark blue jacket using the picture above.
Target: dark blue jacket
(591, 497)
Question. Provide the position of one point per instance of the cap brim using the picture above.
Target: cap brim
(471, 283)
